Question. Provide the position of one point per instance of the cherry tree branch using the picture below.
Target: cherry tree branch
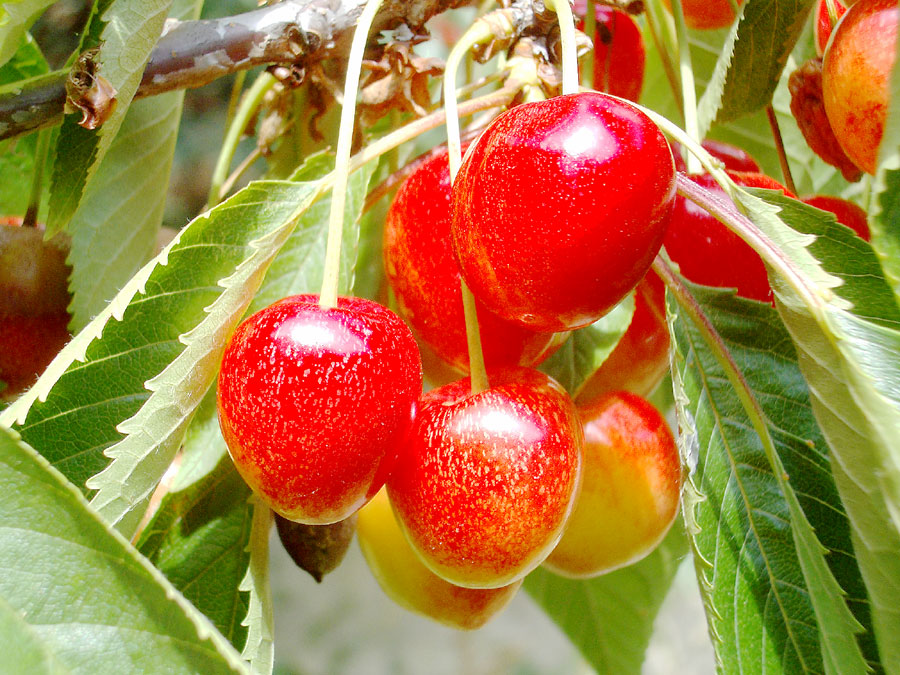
(295, 33)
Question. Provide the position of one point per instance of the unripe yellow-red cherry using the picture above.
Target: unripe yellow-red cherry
(406, 580)
(630, 491)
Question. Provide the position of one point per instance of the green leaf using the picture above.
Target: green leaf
(125, 31)
(848, 355)
(746, 76)
(754, 516)
(75, 595)
(199, 535)
(114, 229)
(131, 394)
(259, 649)
(27, 61)
(587, 348)
(610, 618)
(16, 17)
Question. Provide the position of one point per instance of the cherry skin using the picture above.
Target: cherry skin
(733, 157)
(706, 14)
(313, 403)
(486, 481)
(34, 300)
(632, 483)
(559, 208)
(619, 53)
(641, 358)
(425, 279)
(709, 253)
(822, 25)
(856, 75)
(847, 213)
(406, 580)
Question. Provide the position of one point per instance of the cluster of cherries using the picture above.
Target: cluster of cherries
(556, 215)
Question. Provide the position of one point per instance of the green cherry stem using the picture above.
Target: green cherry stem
(479, 32)
(568, 45)
(779, 147)
(41, 151)
(590, 29)
(331, 276)
(664, 57)
(688, 90)
(250, 103)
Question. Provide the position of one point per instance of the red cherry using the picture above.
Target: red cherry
(560, 207)
(706, 14)
(856, 73)
(708, 252)
(846, 212)
(424, 277)
(619, 54)
(823, 25)
(485, 484)
(313, 403)
(632, 484)
(733, 157)
(641, 358)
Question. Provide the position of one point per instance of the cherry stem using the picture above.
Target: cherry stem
(567, 44)
(832, 12)
(37, 182)
(331, 275)
(479, 32)
(688, 90)
(665, 58)
(250, 103)
(779, 147)
(590, 29)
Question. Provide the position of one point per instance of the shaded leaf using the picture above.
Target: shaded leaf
(259, 649)
(125, 32)
(610, 618)
(75, 593)
(16, 17)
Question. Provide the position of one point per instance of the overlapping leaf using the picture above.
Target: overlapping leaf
(16, 17)
(610, 618)
(131, 394)
(125, 31)
(771, 601)
(76, 595)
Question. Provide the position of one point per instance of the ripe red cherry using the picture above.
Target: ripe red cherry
(823, 25)
(706, 14)
(856, 74)
(314, 403)
(619, 54)
(486, 481)
(708, 252)
(423, 274)
(846, 212)
(632, 484)
(641, 358)
(560, 207)
(733, 157)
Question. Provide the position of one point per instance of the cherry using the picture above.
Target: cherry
(559, 208)
(619, 54)
(846, 212)
(822, 25)
(706, 14)
(733, 157)
(632, 483)
(486, 481)
(641, 358)
(856, 74)
(424, 277)
(34, 301)
(410, 584)
(313, 403)
(709, 253)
